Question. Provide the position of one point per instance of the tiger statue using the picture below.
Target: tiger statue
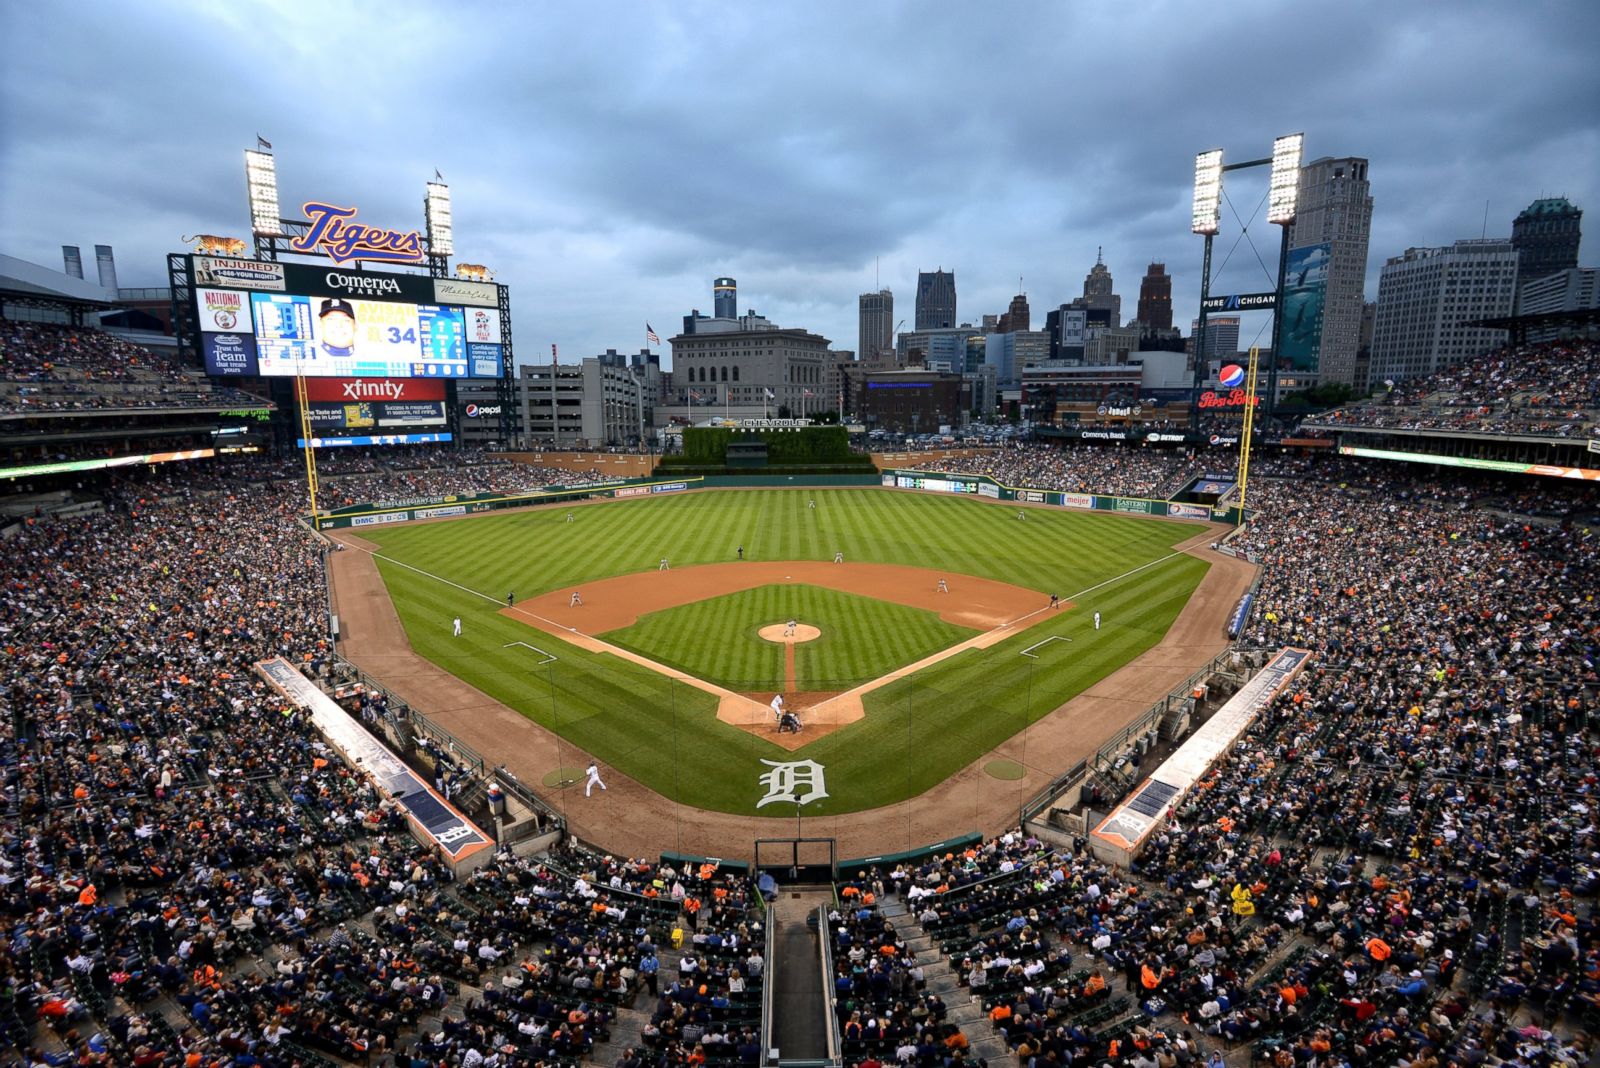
(474, 272)
(211, 244)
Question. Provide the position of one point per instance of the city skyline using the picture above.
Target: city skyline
(605, 203)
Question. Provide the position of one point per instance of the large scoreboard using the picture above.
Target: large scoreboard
(257, 317)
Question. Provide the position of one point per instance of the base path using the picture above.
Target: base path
(632, 820)
(614, 603)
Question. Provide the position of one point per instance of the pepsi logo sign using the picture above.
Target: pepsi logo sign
(1231, 375)
(475, 410)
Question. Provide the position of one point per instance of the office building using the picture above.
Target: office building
(1573, 290)
(1222, 336)
(1546, 235)
(1016, 316)
(1067, 327)
(1155, 298)
(756, 370)
(1427, 296)
(1335, 209)
(936, 300)
(875, 323)
(915, 401)
(590, 404)
(725, 298)
(1097, 291)
(946, 344)
(1009, 353)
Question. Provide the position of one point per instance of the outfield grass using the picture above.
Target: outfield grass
(861, 638)
(917, 732)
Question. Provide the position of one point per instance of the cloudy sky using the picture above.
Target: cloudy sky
(609, 160)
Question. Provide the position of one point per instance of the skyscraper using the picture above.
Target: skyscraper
(725, 298)
(1016, 316)
(936, 299)
(1335, 209)
(1546, 236)
(876, 324)
(1097, 290)
(1155, 298)
(1425, 299)
(1222, 336)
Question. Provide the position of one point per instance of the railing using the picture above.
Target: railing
(1151, 718)
(829, 1012)
(768, 985)
(513, 786)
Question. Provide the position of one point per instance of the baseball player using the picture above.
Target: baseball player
(456, 627)
(777, 707)
(1055, 600)
(942, 588)
(811, 504)
(576, 602)
(1022, 515)
(511, 597)
(1097, 621)
(594, 779)
(788, 628)
(569, 517)
(664, 565)
(838, 558)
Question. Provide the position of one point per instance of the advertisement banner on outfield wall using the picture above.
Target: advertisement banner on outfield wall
(669, 487)
(376, 520)
(888, 480)
(1032, 496)
(1188, 511)
(435, 513)
(631, 491)
(1131, 505)
(1077, 500)
(988, 489)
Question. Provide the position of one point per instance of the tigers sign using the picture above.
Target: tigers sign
(335, 235)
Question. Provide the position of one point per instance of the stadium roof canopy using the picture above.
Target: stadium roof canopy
(22, 282)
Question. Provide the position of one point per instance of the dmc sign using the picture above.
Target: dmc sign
(332, 234)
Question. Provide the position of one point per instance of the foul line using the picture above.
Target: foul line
(1028, 652)
(464, 589)
(549, 658)
(1099, 585)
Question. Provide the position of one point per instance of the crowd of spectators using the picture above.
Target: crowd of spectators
(1548, 390)
(49, 367)
(1114, 469)
(1398, 864)
(188, 873)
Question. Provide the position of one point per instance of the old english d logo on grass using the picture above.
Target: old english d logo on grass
(784, 778)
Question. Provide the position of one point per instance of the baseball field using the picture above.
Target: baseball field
(666, 674)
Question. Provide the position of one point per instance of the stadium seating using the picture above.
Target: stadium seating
(1398, 862)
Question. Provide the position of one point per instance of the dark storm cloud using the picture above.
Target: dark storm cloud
(608, 161)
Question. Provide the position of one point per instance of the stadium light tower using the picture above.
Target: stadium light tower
(1206, 219)
(440, 231)
(1283, 194)
(261, 176)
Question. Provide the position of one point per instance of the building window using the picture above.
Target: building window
(736, 372)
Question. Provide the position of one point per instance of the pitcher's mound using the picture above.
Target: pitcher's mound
(803, 632)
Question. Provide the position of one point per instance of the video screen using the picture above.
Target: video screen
(345, 338)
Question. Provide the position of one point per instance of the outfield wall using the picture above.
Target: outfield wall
(984, 486)
(368, 515)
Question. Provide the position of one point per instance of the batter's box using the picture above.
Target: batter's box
(549, 658)
(1029, 651)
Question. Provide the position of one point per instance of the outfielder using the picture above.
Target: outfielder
(1097, 621)
(456, 624)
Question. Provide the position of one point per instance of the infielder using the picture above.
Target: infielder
(942, 588)
(1055, 600)
(456, 625)
(838, 558)
(664, 566)
(576, 602)
(594, 779)
(788, 628)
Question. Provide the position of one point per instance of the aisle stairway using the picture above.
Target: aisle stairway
(964, 1008)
